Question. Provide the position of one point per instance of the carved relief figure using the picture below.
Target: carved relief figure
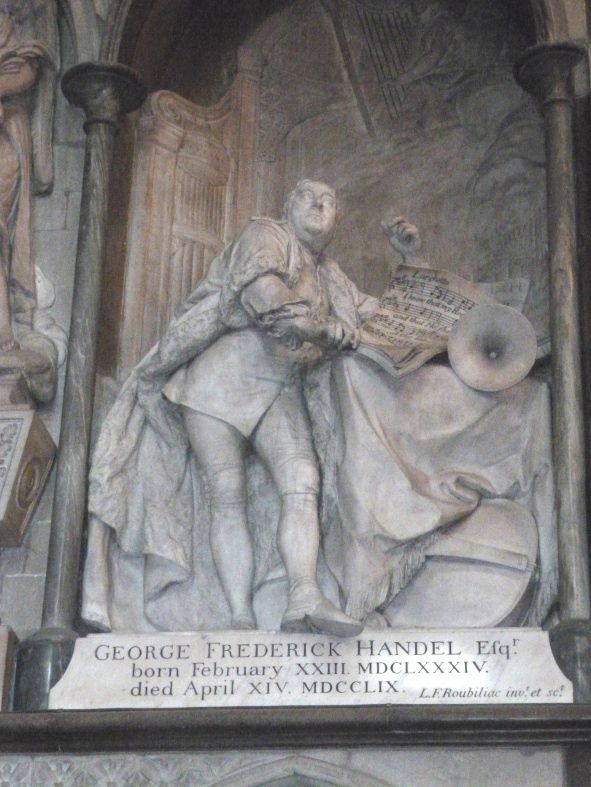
(28, 355)
(246, 386)
(25, 166)
(278, 305)
(213, 448)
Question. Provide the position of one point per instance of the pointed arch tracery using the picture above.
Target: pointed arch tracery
(549, 19)
(81, 18)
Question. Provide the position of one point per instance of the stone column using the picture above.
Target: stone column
(105, 92)
(545, 71)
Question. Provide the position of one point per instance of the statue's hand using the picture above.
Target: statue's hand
(337, 334)
(402, 235)
(292, 332)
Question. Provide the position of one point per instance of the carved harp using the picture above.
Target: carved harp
(192, 189)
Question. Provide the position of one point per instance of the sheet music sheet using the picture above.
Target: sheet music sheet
(418, 310)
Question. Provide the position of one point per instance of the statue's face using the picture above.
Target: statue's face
(312, 213)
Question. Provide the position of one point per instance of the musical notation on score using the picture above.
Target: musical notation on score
(427, 290)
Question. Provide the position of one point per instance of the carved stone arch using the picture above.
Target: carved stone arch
(550, 20)
(298, 770)
(81, 19)
(114, 27)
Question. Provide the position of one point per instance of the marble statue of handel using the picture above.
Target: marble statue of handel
(400, 460)
(278, 304)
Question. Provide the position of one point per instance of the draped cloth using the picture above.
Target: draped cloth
(15, 209)
(404, 458)
(24, 165)
(399, 460)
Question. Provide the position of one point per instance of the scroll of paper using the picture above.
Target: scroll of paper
(415, 316)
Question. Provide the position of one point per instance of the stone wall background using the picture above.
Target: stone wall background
(427, 121)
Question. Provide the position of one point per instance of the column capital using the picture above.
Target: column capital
(105, 91)
(544, 70)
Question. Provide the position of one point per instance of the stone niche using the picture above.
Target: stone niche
(407, 108)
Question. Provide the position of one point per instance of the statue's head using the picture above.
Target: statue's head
(311, 209)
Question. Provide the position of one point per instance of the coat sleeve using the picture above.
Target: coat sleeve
(264, 247)
(268, 299)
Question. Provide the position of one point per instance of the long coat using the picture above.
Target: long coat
(142, 477)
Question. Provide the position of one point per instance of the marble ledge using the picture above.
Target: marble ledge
(231, 728)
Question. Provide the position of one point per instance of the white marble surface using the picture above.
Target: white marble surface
(256, 668)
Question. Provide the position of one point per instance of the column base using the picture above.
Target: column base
(571, 646)
(41, 661)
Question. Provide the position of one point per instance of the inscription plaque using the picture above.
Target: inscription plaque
(257, 668)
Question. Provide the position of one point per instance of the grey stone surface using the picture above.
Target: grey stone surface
(43, 513)
(21, 602)
(545, 71)
(50, 214)
(353, 767)
(459, 767)
(22, 575)
(56, 251)
(37, 550)
(73, 210)
(67, 126)
(69, 161)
